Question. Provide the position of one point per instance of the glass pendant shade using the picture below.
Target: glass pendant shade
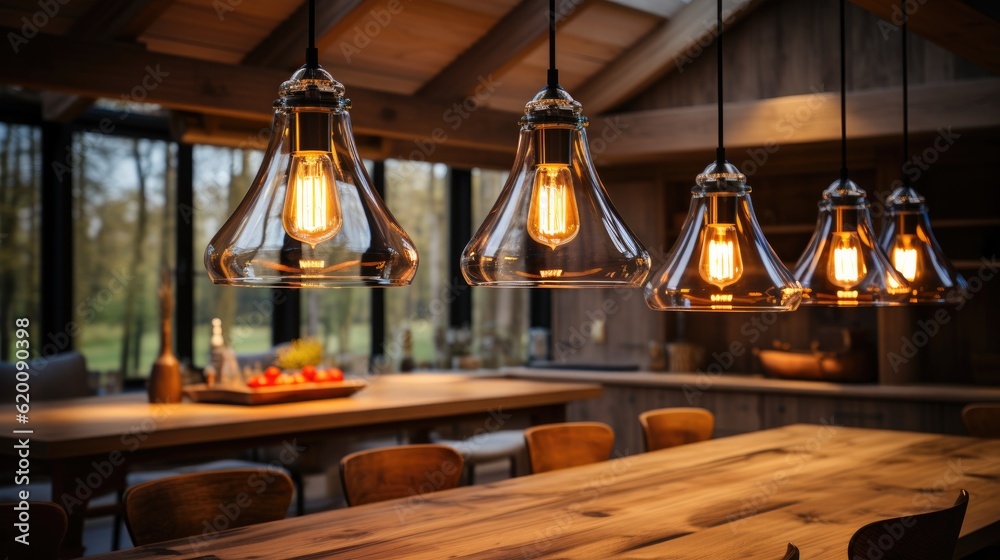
(909, 242)
(311, 217)
(843, 264)
(721, 261)
(553, 224)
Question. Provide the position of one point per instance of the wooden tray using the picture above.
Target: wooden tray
(274, 395)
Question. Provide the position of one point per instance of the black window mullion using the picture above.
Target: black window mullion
(460, 231)
(378, 296)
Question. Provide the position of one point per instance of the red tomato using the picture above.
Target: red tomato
(272, 372)
(257, 381)
(335, 374)
(321, 376)
(298, 378)
(309, 372)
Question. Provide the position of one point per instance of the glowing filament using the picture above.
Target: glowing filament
(553, 218)
(904, 256)
(847, 263)
(721, 263)
(312, 207)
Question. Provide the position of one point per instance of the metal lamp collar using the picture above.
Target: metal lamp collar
(312, 87)
(720, 179)
(553, 105)
(844, 193)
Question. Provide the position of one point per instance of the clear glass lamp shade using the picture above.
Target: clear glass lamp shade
(553, 225)
(311, 217)
(843, 264)
(721, 260)
(909, 242)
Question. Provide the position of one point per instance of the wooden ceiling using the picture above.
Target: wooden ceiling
(406, 63)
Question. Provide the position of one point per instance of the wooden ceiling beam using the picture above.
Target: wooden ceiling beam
(104, 21)
(128, 71)
(951, 24)
(657, 53)
(285, 46)
(509, 40)
(767, 125)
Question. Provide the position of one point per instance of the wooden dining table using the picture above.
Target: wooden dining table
(744, 496)
(87, 445)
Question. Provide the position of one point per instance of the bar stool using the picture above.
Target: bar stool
(486, 448)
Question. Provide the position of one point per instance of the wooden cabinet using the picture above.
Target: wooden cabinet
(742, 404)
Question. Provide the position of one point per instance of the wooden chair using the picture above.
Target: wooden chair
(47, 523)
(179, 506)
(982, 419)
(376, 475)
(570, 444)
(926, 535)
(670, 427)
(792, 553)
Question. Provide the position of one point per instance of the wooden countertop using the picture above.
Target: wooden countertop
(739, 497)
(759, 384)
(96, 425)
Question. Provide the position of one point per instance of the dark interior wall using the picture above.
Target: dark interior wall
(784, 48)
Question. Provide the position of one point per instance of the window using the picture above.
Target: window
(417, 195)
(20, 218)
(124, 235)
(499, 315)
(221, 178)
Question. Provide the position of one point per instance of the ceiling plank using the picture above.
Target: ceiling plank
(104, 21)
(656, 53)
(951, 24)
(285, 46)
(123, 70)
(503, 46)
(769, 124)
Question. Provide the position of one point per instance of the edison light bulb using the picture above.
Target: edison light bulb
(846, 267)
(312, 207)
(904, 256)
(721, 263)
(552, 215)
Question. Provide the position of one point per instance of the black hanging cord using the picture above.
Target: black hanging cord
(720, 152)
(553, 72)
(312, 54)
(906, 101)
(843, 96)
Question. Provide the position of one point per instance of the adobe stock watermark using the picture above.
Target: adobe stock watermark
(454, 116)
(769, 487)
(434, 480)
(587, 495)
(924, 331)
(363, 34)
(926, 500)
(152, 79)
(33, 24)
(899, 15)
(258, 482)
(696, 49)
(786, 127)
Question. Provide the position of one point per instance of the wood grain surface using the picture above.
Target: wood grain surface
(744, 496)
(97, 425)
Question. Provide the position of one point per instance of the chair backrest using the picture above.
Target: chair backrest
(46, 524)
(982, 419)
(376, 475)
(570, 444)
(60, 376)
(792, 553)
(926, 535)
(205, 503)
(670, 427)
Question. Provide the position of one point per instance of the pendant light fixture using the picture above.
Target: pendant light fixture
(553, 225)
(721, 260)
(311, 217)
(843, 264)
(907, 237)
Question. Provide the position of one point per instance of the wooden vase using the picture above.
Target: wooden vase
(165, 378)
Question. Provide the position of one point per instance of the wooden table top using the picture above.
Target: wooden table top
(97, 425)
(740, 497)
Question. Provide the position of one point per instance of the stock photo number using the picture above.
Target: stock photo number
(22, 406)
